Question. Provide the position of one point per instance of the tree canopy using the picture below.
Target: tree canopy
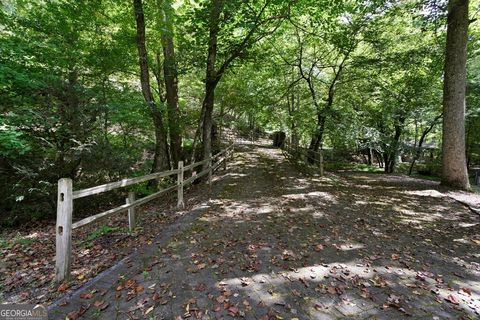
(98, 90)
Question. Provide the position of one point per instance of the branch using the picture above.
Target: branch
(248, 38)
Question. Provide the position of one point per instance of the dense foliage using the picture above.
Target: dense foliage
(360, 79)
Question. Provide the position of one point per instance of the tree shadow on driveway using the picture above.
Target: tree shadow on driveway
(275, 243)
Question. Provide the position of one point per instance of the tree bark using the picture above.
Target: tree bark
(317, 139)
(211, 78)
(369, 156)
(379, 158)
(392, 151)
(171, 79)
(214, 75)
(160, 160)
(454, 170)
(418, 147)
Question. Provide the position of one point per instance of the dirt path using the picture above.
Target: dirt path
(276, 244)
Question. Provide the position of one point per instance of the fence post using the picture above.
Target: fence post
(63, 229)
(321, 162)
(131, 211)
(210, 169)
(225, 157)
(180, 203)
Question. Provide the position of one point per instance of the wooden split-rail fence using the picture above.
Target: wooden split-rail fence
(66, 195)
(305, 155)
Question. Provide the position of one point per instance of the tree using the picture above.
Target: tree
(253, 23)
(160, 161)
(171, 78)
(454, 164)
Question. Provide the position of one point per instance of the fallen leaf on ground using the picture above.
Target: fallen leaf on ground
(74, 315)
(452, 299)
(149, 310)
(64, 286)
(98, 303)
(465, 291)
(86, 295)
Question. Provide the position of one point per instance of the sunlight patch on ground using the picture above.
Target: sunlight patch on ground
(236, 174)
(418, 221)
(409, 212)
(33, 235)
(361, 202)
(266, 209)
(306, 209)
(421, 217)
(315, 195)
(424, 193)
(321, 179)
(462, 240)
(318, 215)
(381, 203)
(240, 210)
(277, 289)
(469, 284)
(467, 225)
(351, 246)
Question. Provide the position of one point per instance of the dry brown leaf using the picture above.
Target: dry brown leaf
(64, 286)
(452, 299)
(86, 295)
(465, 291)
(98, 303)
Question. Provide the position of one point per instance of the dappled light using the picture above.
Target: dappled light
(308, 248)
(240, 159)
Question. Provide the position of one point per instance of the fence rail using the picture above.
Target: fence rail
(66, 195)
(306, 155)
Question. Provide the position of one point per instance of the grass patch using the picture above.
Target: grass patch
(103, 230)
(8, 244)
(24, 241)
(366, 168)
(339, 165)
(4, 244)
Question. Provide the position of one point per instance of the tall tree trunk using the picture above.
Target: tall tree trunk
(211, 78)
(369, 156)
(161, 158)
(418, 148)
(454, 170)
(294, 127)
(160, 161)
(391, 151)
(208, 103)
(390, 167)
(214, 75)
(379, 158)
(386, 161)
(197, 134)
(171, 79)
(317, 139)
